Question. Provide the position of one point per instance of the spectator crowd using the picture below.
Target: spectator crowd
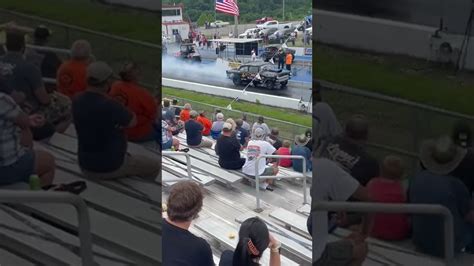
(106, 112)
(236, 143)
(347, 171)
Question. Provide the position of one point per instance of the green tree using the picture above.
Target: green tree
(207, 16)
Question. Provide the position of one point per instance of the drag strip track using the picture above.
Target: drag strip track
(296, 91)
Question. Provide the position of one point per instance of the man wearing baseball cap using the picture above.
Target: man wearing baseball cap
(194, 132)
(255, 148)
(100, 122)
(228, 149)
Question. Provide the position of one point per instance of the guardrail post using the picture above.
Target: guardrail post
(188, 160)
(258, 177)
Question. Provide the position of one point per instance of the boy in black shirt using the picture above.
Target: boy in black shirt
(228, 149)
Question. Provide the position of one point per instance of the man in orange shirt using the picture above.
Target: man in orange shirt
(184, 115)
(71, 78)
(137, 100)
(205, 122)
(289, 60)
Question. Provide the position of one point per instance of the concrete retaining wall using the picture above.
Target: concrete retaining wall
(265, 99)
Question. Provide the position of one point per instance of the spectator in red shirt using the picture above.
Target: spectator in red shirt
(139, 101)
(205, 122)
(285, 150)
(72, 74)
(184, 115)
(389, 189)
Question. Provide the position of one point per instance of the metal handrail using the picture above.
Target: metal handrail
(188, 160)
(8, 196)
(258, 177)
(49, 49)
(425, 209)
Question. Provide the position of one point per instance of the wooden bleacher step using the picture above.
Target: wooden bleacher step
(220, 230)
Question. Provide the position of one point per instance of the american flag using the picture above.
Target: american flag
(227, 6)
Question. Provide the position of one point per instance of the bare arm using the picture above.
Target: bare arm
(133, 122)
(23, 122)
(275, 259)
(42, 96)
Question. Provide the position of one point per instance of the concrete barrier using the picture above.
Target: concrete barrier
(390, 37)
(264, 99)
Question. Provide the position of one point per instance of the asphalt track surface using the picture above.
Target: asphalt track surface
(210, 74)
(293, 90)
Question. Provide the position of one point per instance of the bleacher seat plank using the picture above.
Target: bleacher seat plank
(217, 172)
(305, 209)
(298, 224)
(113, 202)
(138, 242)
(68, 162)
(288, 240)
(212, 154)
(180, 170)
(294, 221)
(7, 258)
(170, 179)
(49, 248)
(220, 231)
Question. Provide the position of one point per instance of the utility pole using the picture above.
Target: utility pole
(283, 10)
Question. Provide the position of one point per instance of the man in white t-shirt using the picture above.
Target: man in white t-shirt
(332, 183)
(255, 148)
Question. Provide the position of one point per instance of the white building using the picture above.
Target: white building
(172, 22)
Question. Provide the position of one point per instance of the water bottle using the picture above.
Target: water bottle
(35, 183)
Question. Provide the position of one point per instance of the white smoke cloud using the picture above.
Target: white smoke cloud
(207, 73)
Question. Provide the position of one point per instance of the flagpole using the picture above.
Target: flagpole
(236, 23)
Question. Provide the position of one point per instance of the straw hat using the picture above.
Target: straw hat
(301, 140)
(441, 156)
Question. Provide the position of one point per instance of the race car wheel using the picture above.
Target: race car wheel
(270, 84)
(236, 80)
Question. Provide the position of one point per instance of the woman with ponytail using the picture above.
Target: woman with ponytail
(254, 239)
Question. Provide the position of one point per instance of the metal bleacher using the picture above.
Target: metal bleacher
(124, 216)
